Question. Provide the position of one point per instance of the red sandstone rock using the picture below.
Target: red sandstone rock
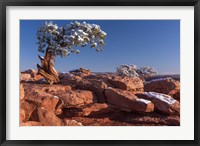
(77, 98)
(48, 118)
(96, 86)
(48, 101)
(53, 104)
(45, 88)
(25, 77)
(43, 104)
(30, 75)
(56, 88)
(100, 77)
(36, 76)
(22, 115)
(26, 109)
(125, 83)
(70, 79)
(98, 108)
(162, 102)
(166, 86)
(45, 96)
(68, 122)
(125, 100)
(95, 109)
(81, 72)
(21, 91)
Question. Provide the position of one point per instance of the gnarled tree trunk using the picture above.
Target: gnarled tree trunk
(46, 69)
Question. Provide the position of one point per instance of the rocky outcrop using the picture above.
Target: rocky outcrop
(24, 77)
(45, 88)
(30, 76)
(81, 72)
(69, 79)
(97, 108)
(26, 110)
(135, 85)
(127, 101)
(162, 102)
(83, 98)
(47, 118)
(96, 86)
(94, 109)
(77, 98)
(53, 104)
(164, 85)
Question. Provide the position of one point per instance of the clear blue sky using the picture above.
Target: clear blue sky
(153, 43)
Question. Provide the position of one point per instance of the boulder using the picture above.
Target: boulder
(68, 122)
(26, 109)
(163, 85)
(135, 85)
(53, 104)
(45, 98)
(24, 77)
(30, 76)
(81, 72)
(70, 79)
(100, 77)
(96, 86)
(48, 118)
(162, 102)
(36, 76)
(76, 98)
(96, 109)
(48, 101)
(126, 100)
(91, 110)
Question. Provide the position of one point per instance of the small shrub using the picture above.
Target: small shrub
(127, 70)
(132, 71)
(147, 71)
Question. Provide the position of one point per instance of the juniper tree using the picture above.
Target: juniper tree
(62, 41)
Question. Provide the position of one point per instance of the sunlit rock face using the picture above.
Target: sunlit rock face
(164, 85)
(84, 98)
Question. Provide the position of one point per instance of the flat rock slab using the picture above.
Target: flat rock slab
(162, 102)
(94, 109)
(126, 100)
(125, 83)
